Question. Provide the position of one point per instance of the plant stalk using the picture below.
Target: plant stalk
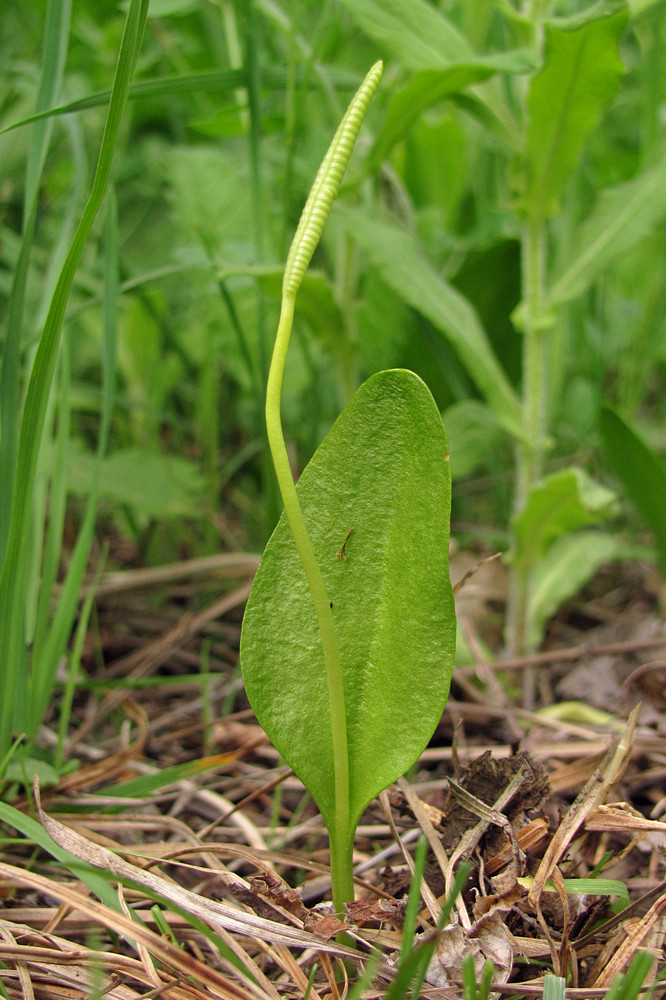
(343, 886)
(530, 449)
(317, 207)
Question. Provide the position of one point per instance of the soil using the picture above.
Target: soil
(583, 774)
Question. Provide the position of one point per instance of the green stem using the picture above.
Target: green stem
(534, 369)
(308, 233)
(530, 449)
(340, 835)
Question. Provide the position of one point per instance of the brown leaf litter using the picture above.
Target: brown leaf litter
(238, 856)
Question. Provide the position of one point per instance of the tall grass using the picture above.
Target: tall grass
(30, 660)
(424, 265)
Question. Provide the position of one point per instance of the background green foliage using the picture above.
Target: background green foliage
(232, 105)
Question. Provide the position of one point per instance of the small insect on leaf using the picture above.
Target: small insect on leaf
(342, 554)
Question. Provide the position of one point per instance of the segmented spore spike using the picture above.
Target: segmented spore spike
(327, 184)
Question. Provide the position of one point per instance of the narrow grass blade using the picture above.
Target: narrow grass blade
(412, 970)
(641, 472)
(554, 987)
(74, 667)
(484, 985)
(164, 87)
(53, 639)
(53, 62)
(12, 582)
(622, 217)
(414, 899)
(628, 985)
(36, 834)
(469, 978)
(402, 265)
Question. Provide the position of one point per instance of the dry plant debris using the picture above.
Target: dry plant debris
(237, 855)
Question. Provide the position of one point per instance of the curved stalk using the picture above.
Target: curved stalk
(308, 233)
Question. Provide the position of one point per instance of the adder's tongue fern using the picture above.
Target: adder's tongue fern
(327, 184)
(308, 233)
(351, 724)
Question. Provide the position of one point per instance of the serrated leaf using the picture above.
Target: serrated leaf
(566, 567)
(581, 73)
(404, 267)
(623, 216)
(556, 506)
(642, 473)
(382, 471)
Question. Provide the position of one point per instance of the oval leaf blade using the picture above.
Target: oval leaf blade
(382, 471)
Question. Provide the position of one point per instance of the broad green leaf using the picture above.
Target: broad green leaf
(24, 770)
(412, 31)
(403, 266)
(432, 85)
(639, 7)
(641, 472)
(154, 485)
(622, 217)
(557, 505)
(561, 572)
(382, 471)
(581, 73)
(586, 14)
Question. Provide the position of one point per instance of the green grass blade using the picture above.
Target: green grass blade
(12, 583)
(36, 834)
(414, 899)
(486, 980)
(164, 87)
(48, 653)
(144, 785)
(53, 62)
(74, 666)
(627, 985)
(412, 970)
(56, 38)
(554, 987)
(641, 472)
(622, 217)
(402, 265)
(635, 976)
(469, 978)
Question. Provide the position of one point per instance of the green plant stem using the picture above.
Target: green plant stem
(317, 207)
(340, 837)
(530, 449)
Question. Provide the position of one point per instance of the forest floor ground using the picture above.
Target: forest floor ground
(175, 777)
